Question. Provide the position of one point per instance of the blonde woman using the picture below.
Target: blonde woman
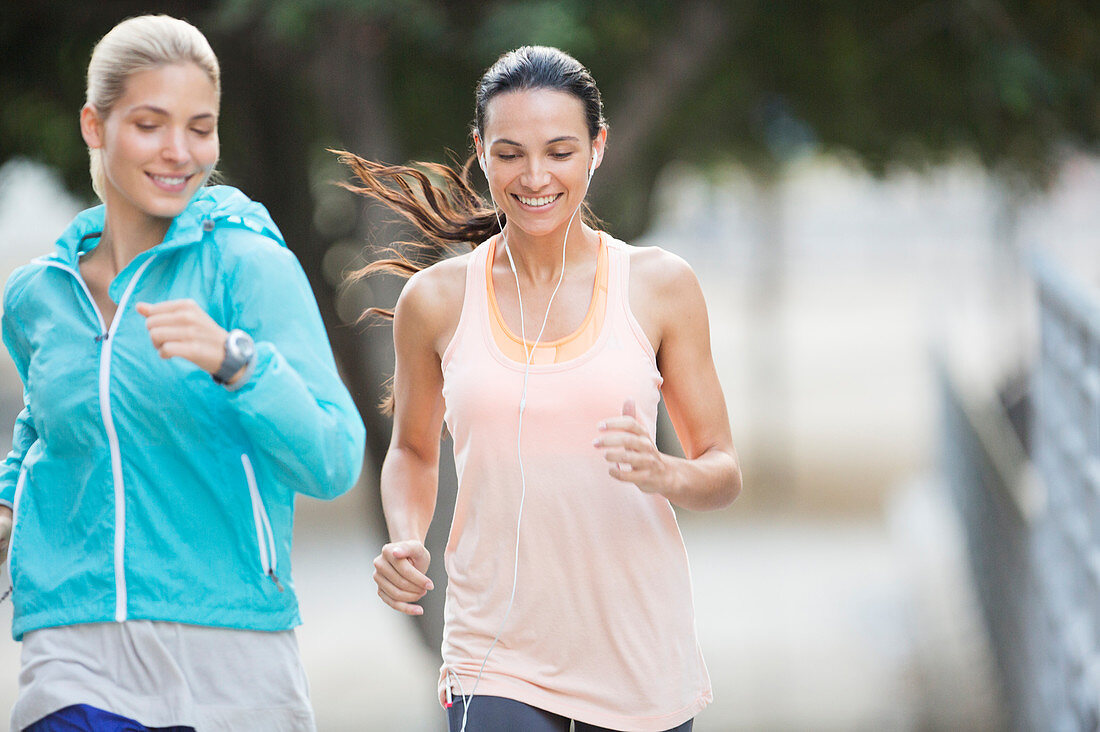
(179, 392)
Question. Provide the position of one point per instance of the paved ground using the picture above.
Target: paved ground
(805, 624)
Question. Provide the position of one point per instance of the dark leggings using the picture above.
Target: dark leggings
(497, 714)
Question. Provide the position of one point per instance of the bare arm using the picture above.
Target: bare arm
(410, 472)
(675, 317)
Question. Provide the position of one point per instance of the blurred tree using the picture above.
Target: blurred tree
(911, 82)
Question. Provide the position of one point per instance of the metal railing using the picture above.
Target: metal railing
(1066, 439)
(1033, 524)
(999, 503)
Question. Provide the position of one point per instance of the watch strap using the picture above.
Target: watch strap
(234, 360)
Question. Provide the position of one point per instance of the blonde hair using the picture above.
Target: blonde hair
(139, 44)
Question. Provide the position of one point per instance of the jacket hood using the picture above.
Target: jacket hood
(210, 204)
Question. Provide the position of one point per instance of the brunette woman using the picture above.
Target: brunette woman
(545, 350)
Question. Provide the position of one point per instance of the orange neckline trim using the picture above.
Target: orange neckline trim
(593, 304)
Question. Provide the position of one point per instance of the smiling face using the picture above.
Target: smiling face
(159, 141)
(537, 152)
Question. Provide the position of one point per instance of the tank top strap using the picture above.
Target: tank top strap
(474, 314)
(475, 274)
(620, 316)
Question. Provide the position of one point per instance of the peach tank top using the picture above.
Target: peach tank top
(602, 629)
(563, 349)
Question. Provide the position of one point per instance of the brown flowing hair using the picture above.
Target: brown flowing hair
(448, 212)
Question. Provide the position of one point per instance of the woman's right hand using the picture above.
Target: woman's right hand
(5, 532)
(400, 573)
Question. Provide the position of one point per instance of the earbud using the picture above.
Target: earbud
(481, 157)
(529, 351)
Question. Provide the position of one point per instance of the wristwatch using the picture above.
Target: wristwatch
(239, 352)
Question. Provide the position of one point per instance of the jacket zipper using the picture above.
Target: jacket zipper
(265, 538)
(106, 337)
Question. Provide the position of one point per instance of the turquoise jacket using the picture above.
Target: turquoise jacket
(140, 488)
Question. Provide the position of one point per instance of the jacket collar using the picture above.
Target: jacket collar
(210, 204)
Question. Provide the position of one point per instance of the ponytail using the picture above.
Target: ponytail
(447, 215)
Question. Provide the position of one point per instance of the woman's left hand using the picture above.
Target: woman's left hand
(633, 456)
(181, 328)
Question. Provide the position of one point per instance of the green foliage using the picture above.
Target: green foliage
(1011, 83)
(296, 23)
(907, 82)
(557, 23)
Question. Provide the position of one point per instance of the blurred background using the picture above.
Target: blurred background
(893, 210)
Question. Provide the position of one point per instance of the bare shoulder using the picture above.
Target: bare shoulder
(441, 285)
(661, 275)
(431, 300)
(664, 293)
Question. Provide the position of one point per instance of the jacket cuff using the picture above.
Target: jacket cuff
(249, 370)
(266, 363)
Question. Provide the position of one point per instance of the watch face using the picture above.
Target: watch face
(240, 345)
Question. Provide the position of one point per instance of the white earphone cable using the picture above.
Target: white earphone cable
(529, 353)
